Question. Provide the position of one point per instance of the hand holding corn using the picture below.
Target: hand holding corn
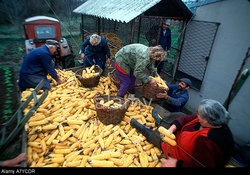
(169, 138)
(160, 82)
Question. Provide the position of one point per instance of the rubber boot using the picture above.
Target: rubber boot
(141, 128)
(152, 136)
(156, 117)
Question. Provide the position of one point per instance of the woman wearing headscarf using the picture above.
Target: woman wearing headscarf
(131, 62)
(97, 51)
(202, 140)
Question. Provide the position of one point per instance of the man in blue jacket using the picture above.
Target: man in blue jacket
(96, 51)
(164, 40)
(37, 65)
(175, 99)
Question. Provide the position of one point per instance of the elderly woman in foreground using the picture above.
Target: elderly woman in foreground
(203, 140)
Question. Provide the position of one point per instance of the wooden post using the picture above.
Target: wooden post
(177, 59)
(139, 30)
(82, 28)
(132, 31)
(114, 26)
(103, 24)
(99, 25)
(159, 32)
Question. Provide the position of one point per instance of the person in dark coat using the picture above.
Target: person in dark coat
(202, 140)
(37, 65)
(175, 99)
(96, 52)
(164, 40)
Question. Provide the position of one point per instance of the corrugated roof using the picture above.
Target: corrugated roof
(117, 10)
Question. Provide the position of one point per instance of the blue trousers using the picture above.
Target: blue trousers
(89, 61)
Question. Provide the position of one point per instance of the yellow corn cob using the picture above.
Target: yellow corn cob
(153, 154)
(148, 147)
(75, 122)
(61, 130)
(65, 136)
(57, 160)
(128, 160)
(32, 138)
(102, 163)
(118, 162)
(165, 132)
(43, 144)
(49, 127)
(101, 142)
(102, 156)
(72, 156)
(52, 165)
(75, 145)
(55, 155)
(74, 163)
(37, 117)
(143, 159)
(91, 127)
(170, 141)
(79, 131)
(108, 103)
(38, 123)
(131, 132)
(116, 154)
(122, 133)
(83, 73)
(62, 151)
(131, 151)
(129, 146)
(125, 142)
(84, 161)
(88, 70)
(136, 162)
(35, 144)
(109, 140)
(92, 68)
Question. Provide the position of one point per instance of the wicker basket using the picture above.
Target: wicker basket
(108, 115)
(89, 82)
(150, 91)
(114, 78)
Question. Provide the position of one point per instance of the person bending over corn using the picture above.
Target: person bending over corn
(130, 63)
(94, 50)
(37, 65)
(202, 140)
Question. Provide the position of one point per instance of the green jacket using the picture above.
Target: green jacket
(135, 57)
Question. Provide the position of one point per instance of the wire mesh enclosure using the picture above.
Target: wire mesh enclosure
(119, 34)
(197, 45)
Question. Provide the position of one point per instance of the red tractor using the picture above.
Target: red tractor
(38, 29)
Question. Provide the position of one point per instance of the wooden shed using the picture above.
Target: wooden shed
(128, 10)
(131, 19)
